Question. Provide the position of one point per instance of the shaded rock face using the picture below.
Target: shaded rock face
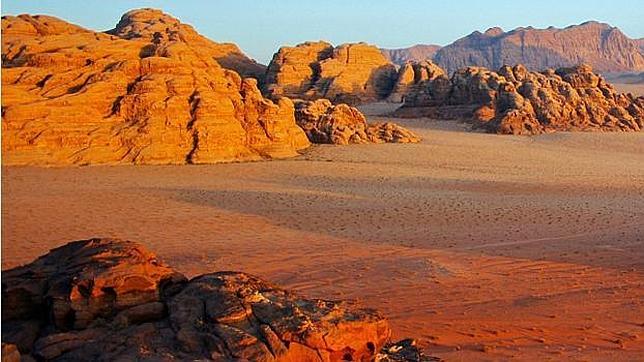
(416, 53)
(349, 73)
(604, 47)
(105, 299)
(342, 124)
(148, 94)
(414, 78)
(516, 101)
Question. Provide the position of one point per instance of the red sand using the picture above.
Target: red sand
(484, 247)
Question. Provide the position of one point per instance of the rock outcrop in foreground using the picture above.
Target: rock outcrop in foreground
(349, 73)
(150, 91)
(106, 300)
(516, 101)
(342, 124)
(605, 47)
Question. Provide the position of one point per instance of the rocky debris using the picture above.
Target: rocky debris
(349, 73)
(403, 351)
(342, 124)
(606, 48)
(414, 80)
(517, 101)
(150, 92)
(416, 53)
(107, 299)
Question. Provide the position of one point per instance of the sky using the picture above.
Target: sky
(260, 27)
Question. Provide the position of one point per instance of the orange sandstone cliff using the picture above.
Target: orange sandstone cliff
(150, 91)
(349, 73)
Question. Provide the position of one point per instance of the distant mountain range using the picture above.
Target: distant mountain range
(604, 47)
(417, 53)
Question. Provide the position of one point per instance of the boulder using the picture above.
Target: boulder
(349, 73)
(150, 91)
(107, 299)
(342, 124)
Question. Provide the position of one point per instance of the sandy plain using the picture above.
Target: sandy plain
(483, 247)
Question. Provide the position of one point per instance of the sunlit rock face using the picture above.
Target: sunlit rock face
(150, 91)
(349, 73)
(514, 100)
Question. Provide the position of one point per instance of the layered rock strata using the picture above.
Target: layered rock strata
(150, 91)
(349, 73)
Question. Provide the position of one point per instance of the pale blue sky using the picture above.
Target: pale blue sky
(261, 27)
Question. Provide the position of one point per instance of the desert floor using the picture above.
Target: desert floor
(484, 247)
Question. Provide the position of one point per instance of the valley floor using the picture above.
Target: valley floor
(484, 247)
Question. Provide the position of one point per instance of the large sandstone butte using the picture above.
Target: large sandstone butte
(516, 101)
(150, 91)
(342, 124)
(107, 299)
(604, 47)
(349, 73)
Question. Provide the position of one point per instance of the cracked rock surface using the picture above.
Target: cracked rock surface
(106, 299)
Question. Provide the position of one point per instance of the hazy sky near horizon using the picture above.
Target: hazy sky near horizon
(261, 27)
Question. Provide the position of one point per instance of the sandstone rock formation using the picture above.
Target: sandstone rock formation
(416, 53)
(342, 124)
(414, 78)
(516, 101)
(151, 91)
(604, 47)
(349, 73)
(154, 24)
(105, 300)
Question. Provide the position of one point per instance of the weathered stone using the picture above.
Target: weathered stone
(424, 81)
(154, 313)
(349, 73)
(324, 122)
(404, 351)
(84, 280)
(516, 101)
(153, 92)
